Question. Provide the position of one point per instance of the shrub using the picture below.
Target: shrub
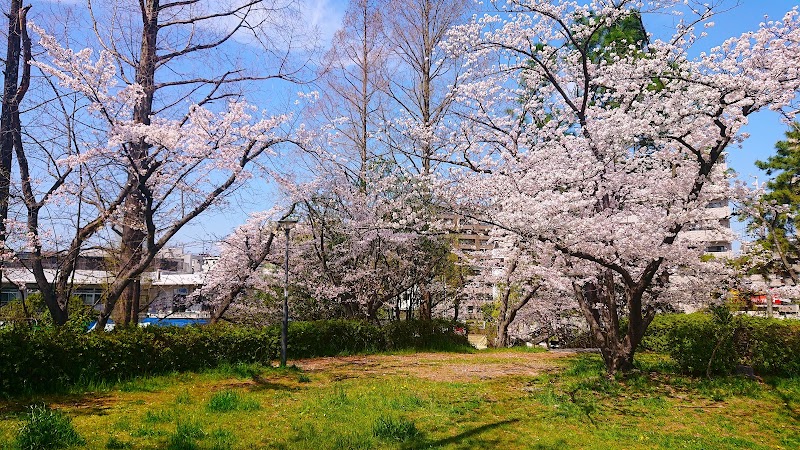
(35, 312)
(437, 334)
(45, 428)
(333, 337)
(33, 360)
(695, 339)
(770, 346)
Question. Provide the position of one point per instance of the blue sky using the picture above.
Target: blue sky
(765, 128)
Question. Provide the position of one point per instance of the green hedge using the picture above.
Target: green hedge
(49, 360)
(769, 346)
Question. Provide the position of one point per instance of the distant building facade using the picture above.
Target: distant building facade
(166, 287)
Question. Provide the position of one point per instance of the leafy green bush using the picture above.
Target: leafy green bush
(700, 345)
(45, 428)
(47, 359)
(34, 311)
(770, 346)
(437, 334)
(333, 337)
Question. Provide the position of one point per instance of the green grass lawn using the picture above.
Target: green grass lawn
(490, 399)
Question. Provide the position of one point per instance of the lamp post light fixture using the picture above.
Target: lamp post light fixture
(286, 224)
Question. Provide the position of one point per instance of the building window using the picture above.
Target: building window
(716, 249)
(470, 309)
(89, 297)
(7, 295)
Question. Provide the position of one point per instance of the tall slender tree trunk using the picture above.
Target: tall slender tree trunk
(9, 109)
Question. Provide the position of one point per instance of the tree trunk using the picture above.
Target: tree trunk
(426, 306)
(617, 359)
(133, 235)
(9, 109)
(598, 302)
(502, 333)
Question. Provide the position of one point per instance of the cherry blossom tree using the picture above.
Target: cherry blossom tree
(48, 136)
(364, 247)
(173, 147)
(367, 247)
(602, 161)
(241, 269)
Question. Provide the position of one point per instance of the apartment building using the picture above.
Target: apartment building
(714, 233)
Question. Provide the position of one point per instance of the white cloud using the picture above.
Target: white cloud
(323, 15)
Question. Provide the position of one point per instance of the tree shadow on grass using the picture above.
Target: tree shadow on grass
(459, 437)
(268, 385)
(78, 404)
(788, 399)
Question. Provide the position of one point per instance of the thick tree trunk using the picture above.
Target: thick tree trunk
(502, 333)
(617, 359)
(133, 234)
(508, 311)
(598, 302)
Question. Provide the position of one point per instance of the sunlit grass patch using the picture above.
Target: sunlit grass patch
(147, 384)
(115, 443)
(405, 402)
(576, 406)
(159, 416)
(395, 429)
(230, 400)
(186, 435)
(221, 439)
(183, 398)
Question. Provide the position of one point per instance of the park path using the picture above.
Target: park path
(453, 367)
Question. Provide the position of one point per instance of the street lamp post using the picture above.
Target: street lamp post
(287, 224)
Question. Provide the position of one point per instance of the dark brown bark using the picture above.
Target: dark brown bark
(133, 229)
(508, 313)
(141, 236)
(599, 303)
(10, 108)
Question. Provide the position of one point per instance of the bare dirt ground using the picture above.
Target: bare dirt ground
(438, 366)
